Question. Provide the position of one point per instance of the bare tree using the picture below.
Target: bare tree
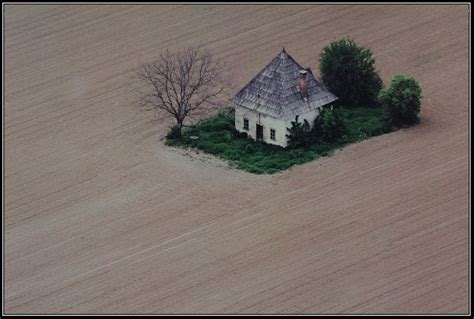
(182, 83)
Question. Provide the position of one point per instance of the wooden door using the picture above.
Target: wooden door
(259, 132)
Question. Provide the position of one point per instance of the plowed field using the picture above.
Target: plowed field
(101, 217)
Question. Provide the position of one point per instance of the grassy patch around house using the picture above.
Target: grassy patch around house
(218, 136)
(365, 122)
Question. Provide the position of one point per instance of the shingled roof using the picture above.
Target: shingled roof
(275, 91)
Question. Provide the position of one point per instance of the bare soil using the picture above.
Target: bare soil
(101, 217)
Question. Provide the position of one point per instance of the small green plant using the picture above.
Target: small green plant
(299, 134)
(401, 101)
(223, 112)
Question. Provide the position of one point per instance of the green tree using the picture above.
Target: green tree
(349, 72)
(402, 101)
(299, 134)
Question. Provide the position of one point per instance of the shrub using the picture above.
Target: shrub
(299, 134)
(323, 148)
(330, 125)
(349, 72)
(250, 148)
(238, 134)
(206, 146)
(226, 136)
(215, 124)
(401, 101)
(174, 133)
(222, 112)
(219, 148)
(362, 135)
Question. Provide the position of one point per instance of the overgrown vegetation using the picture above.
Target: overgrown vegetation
(218, 136)
(299, 134)
(348, 71)
(329, 127)
(368, 110)
(365, 122)
(401, 101)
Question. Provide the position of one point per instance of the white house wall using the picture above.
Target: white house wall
(268, 122)
(265, 121)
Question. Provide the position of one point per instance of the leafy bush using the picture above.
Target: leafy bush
(238, 134)
(250, 148)
(349, 72)
(299, 134)
(324, 148)
(220, 124)
(330, 125)
(222, 112)
(207, 146)
(401, 101)
(174, 133)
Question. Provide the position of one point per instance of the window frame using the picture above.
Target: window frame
(272, 134)
(246, 121)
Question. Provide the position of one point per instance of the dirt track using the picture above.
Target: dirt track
(101, 217)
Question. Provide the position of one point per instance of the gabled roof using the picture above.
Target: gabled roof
(275, 91)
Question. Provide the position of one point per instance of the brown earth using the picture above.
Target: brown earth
(101, 217)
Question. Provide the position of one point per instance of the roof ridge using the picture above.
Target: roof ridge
(260, 72)
(274, 90)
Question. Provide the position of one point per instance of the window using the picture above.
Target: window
(246, 124)
(272, 134)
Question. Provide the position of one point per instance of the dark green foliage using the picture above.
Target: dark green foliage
(330, 125)
(218, 124)
(174, 133)
(348, 71)
(365, 122)
(401, 101)
(299, 134)
(238, 134)
(218, 136)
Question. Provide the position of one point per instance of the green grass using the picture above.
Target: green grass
(365, 122)
(218, 136)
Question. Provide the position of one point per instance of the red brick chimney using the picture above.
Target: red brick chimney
(303, 84)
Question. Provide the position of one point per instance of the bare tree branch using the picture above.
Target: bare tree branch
(182, 83)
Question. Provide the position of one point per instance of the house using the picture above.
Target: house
(267, 105)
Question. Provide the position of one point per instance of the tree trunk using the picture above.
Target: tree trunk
(178, 129)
